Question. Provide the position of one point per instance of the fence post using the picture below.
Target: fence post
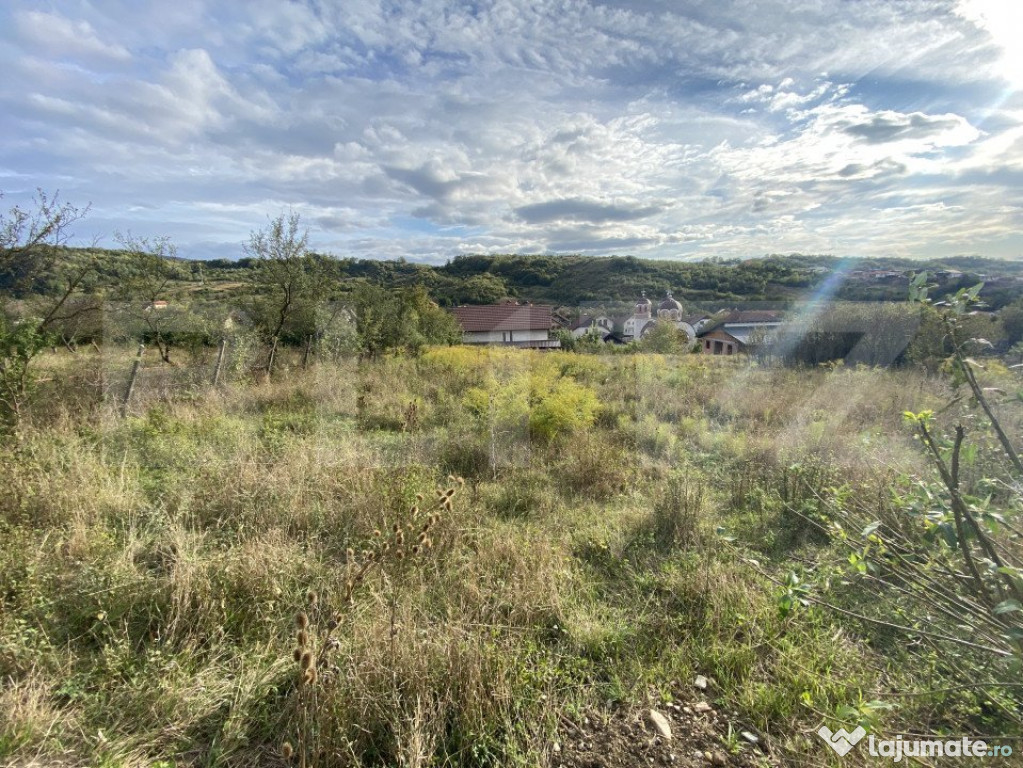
(131, 381)
(220, 361)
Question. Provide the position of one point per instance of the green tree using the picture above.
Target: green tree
(1012, 322)
(401, 319)
(481, 289)
(665, 337)
(288, 283)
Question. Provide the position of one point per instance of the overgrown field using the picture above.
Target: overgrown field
(443, 560)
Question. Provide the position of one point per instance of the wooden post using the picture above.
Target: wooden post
(220, 361)
(270, 359)
(131, 381)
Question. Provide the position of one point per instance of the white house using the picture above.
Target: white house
(745, 324)
(516, 325)
(735, 331)
(600, 326)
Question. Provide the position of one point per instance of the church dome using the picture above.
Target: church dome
(643, 305)
(669, 303)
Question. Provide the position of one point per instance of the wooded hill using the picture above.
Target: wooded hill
(574, 280)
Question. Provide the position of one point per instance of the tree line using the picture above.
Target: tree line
(51, 295)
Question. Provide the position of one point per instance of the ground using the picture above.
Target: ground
(703, 733)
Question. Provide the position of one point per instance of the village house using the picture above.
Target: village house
(511, 324)
(528, 325)
(737, 330)
(600, 326)
(720, 342)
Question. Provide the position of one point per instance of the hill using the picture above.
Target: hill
(574, 280)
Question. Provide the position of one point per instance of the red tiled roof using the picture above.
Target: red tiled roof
(504, 317)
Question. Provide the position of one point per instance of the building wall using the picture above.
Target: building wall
(711, 346)
(503, 337)
(634, 326)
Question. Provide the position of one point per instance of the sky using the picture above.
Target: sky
(424, 130)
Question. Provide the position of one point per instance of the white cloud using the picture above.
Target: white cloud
(712, 127)
(62, 37)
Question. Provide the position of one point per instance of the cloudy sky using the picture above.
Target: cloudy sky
(675, 129)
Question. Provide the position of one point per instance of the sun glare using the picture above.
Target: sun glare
(1003, 20)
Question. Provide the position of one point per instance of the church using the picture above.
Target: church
(726, 333)
(643, 318)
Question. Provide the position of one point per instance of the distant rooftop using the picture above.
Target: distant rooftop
(504, 317)
(753, 316)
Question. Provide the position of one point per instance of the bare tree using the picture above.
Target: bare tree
(30, 249)
(146, 286)
(30, 239)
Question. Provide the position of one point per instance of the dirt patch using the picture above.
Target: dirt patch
(702, 735)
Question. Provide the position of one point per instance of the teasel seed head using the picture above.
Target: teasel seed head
(287, 751)
(395, 528)
(415, 510)
(376, 533)
(306, 661)
(301, 620)
(399, 554)
(310, 676)
(311, 597)
(350, 553)
(297, 654)
(415, 549)
(302, 638)
(419, 497)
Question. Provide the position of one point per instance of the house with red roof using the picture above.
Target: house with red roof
(510, 325)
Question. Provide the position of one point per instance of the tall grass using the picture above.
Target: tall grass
(153, 565)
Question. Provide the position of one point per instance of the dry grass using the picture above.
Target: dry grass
(153, 564)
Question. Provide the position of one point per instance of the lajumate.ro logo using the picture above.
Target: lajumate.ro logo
(842, 741)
